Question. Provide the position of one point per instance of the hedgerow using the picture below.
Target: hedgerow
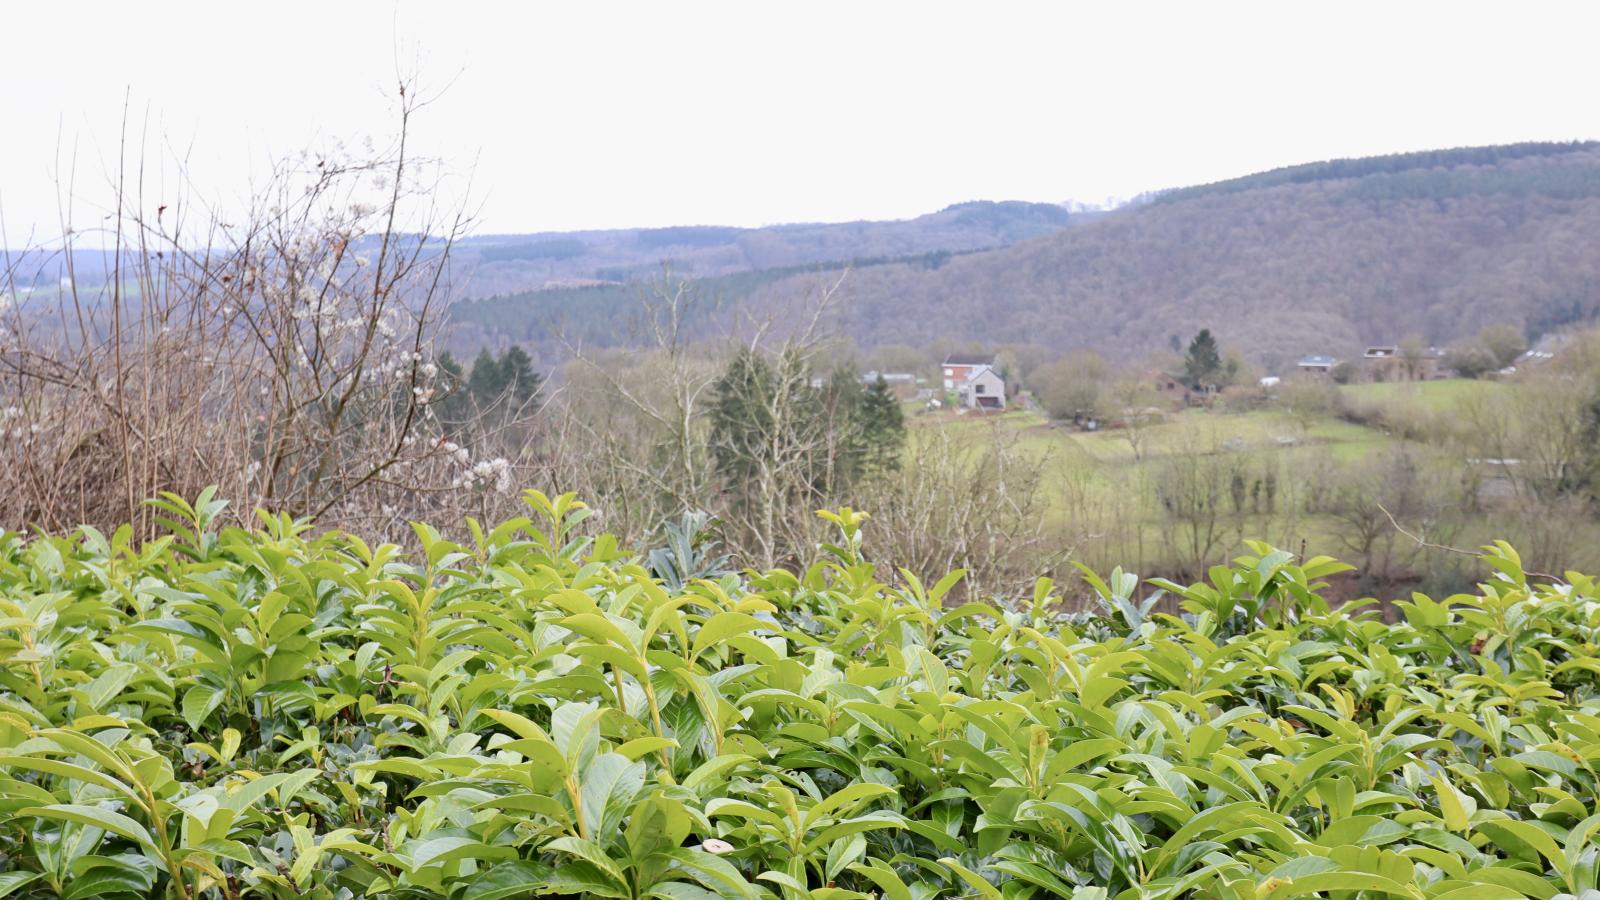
(286, 713)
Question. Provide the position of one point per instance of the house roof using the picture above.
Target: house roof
(1377, 352)
(1318, 361)
(969, 359)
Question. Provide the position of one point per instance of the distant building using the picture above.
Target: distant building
(1170, 388)
(1270, 381)
(975, 380)
(983, 389)
(958, 367)
(1389, 363)
(903, 385)
(1316, 365)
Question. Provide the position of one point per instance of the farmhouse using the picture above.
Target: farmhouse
(1170, 387)
(975, 380)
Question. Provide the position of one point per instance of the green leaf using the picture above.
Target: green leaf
(198, 703)
(10, 882)
(509, 879)
(720, 627)
(610, 785)
(973, 879)
(114, 822)
(68, 770)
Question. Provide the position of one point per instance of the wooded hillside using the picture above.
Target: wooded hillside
(1277, 265)
(1316, 258)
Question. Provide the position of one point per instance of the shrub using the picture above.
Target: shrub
(278, 713)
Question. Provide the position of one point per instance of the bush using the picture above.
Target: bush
(281, 713)
(1471, 360)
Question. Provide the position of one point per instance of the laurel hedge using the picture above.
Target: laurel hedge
(532, 710)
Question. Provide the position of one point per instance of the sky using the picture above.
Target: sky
(619, 114)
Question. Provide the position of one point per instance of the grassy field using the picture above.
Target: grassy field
(1088, 477)
(1270, 476)
(1434, 396)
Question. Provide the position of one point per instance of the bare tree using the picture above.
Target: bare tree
(973, 502)
(283, 353)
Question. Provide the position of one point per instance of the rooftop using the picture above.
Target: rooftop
(969, 359)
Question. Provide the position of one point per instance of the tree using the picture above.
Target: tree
(1134, 400)
(1202, 365)
(1307, 399)
(1413, 357)
(883, 428)
(521, 382)
(1073, 387)
(741, 416)
(1470, 359)
(486, 380)
(1504, 342)
(454, 406)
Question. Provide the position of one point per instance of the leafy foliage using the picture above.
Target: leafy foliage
(283, 713)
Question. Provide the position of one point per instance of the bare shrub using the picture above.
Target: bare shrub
(285, 356)
(970, 504)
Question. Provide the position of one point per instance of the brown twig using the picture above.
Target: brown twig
(1429, 545)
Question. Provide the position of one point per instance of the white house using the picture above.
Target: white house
(983, 389)
(975, 380)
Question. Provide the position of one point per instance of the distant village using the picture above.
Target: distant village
(978, 382)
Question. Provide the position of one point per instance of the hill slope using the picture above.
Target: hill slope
(504, 264)
(1321, 257)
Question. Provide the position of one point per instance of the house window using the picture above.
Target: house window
(977, 388)
(948, 372)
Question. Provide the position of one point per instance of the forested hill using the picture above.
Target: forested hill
(1317, 258)
(507, 264)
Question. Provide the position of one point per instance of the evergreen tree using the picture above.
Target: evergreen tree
(487, 380)
(768, 420)
(882, 427)
(520, 381)
(1202, 365)
(450, 369)
(455, 406)
(741, 416)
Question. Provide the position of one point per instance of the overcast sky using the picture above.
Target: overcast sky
(588, 115)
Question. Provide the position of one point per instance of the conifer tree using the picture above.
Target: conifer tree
(486, 381)
(1202, 365)
(882, 427)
